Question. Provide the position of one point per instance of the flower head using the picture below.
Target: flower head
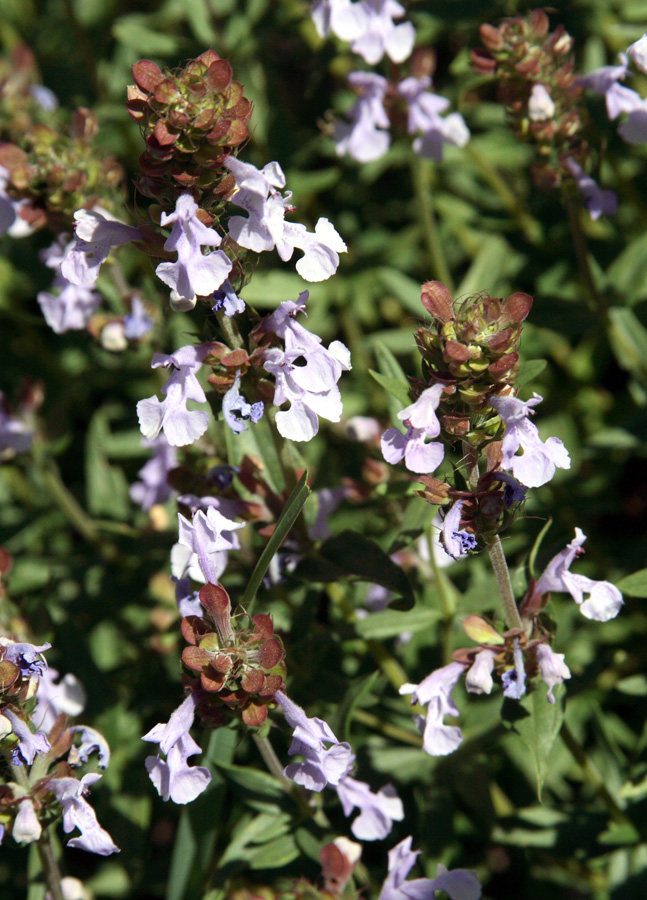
(552, 668)
(382, 35)
(536, 466)
(323, 765)
(456, 542)
(377, 811)
(420, 454)
(438, 739)
(347, 20)
(604, 601)
(96, 233)
(460, 884)
(237, 411)
(208, 537)
(153, 487)
(364, 138)
(514, 680)
(598, 202)
(77, 813)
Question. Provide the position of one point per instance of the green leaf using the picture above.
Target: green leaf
(350, 553)
(392, 622)
(107, 487)
(252, 779)
(286, 520)
(134, 32)
(635, 584)
(275, 854)
(404, 288)
(395, 388)
(530, 369)
(537, 722)
(487, 267)
(628, 338)
(619, 835)
(628, 272)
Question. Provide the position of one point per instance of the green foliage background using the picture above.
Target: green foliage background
(93, 578)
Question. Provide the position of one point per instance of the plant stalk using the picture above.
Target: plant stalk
(420, 171)
(502, 575)
(50, 866)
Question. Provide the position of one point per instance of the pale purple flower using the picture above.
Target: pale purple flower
(621, 99)
(537, 464)
(603, 79)
(364, 137)
(96, 233)
(552, 668)
(604, 601)
(208, 538)
(382, 35)
(265, 226)
(460, 884)
(237, 411)
(634, 130)
(188, 601)
(227, 299)
(514, 680)
(438, 739)
(478, 679)
(29, 744)
(171, 415)
(541, 106)
(26, 827)
(513, 492)
(424, 119)
(362, 428)
(323, 765)
(11, 222)
(154, 487)
(28, 657)
(193, 274)
(46, 98)
(137, 322)
(597, 201)
(14, 434)
(456, 542)
(68, 697)
(306, 373)
(377, 811)
(77, 813)
(346, 20)
(91, 740)
(637, 52)
(69, 310)
(174, 779)
(420, 455)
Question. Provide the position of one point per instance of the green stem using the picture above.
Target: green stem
(529, 225)
(420, 173)
(594, 778)
(230, 330)
(50, 865)
(595, 298)
(502, 575)
(272, 761)
(378, 724)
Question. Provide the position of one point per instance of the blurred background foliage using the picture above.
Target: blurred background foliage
(91, 570)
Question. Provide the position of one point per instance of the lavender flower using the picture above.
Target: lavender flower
(96, 233)
(420, 455)
(28, 657)
(343, 18)
(457, 543)
(637, 52)
(552, 668)
(438, 739)
(137, 322)
(171, 415)
(424, 119)
(29, 744)
(77, 813)
(154, 487)
(478, 679)
(69, 310)
(537, 464)
(265, 226)
(226, 299)
(174, 779)
(382, 35)
(513, 492)
(14, 434)
(52, 699)
(91, 740)
(323, 765)
(208, 538)
(363, 138)
(602, 80)
(598, 202)
(26, 827)
(514, 680)
(377, 811)
(193, 274)
(604, 601)
(11, 222)
(237, 411)
(310, 388)
(460, 884)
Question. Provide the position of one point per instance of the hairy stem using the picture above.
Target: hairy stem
(50, 865)
(378, 724)
(502, 575)
(420, 172)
